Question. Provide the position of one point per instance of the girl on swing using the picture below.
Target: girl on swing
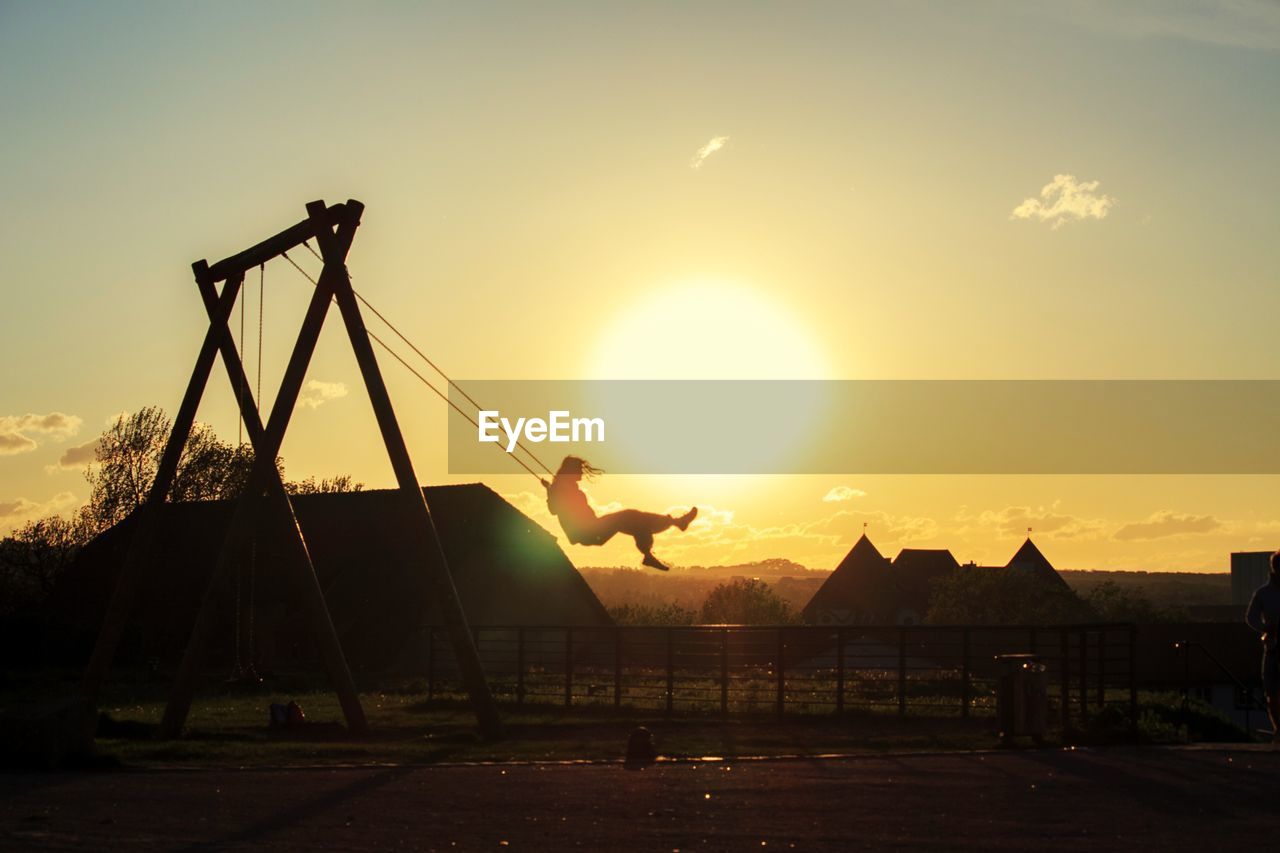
(567, 502)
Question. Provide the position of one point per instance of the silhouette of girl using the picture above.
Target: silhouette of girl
(567, 502)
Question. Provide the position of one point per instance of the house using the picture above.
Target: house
(1029, 559)
(507, 570)
(868, 589)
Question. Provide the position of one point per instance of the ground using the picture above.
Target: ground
(1060, 799)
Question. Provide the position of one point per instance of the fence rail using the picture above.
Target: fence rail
(791, 669)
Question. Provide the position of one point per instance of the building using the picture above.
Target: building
(1030, 559)
(507, 570)
(868, 589)
(1249, 570)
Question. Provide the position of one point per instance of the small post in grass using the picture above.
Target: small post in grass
(431, 663)
(902, 672)
(840, 670)
(520, 665)
(671, 671)
(617, 666)
(782, 672)
(568, 667)
(724, 671)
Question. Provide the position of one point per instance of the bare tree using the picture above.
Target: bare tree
(128, 457)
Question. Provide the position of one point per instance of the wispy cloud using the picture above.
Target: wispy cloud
(75, 458)
(713, 145)
(1166, 523)
(317, 393)
(1063, 200)
(21, 510)
(13, 443)
(16, 430)
(843, 493)
(1013, 521)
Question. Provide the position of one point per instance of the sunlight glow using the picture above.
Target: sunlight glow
(706, 329)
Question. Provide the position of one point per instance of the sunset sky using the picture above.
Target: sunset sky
(737, 190)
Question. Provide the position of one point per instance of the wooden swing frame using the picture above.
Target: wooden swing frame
(265, 499)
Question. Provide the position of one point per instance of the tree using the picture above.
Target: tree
(328, 486)
(1004, 596)
(32, 558)
(745, 601)
(651, 614)
(1113, 603)
(128, 456)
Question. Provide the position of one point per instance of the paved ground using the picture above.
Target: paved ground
(1046, 800)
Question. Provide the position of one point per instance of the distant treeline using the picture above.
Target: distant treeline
(1166, 589)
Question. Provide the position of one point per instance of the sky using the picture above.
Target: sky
(910, 190)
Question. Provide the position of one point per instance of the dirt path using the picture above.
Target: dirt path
(1045, 800)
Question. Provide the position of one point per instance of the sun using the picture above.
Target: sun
(704, 329)
(709, 330)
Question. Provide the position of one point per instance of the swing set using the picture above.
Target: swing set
(264, 500)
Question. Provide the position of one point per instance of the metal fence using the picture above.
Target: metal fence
(791, 669)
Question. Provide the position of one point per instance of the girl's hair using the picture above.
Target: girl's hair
(578, 465)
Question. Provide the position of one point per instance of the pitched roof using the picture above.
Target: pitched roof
(1030, 559)
(507, 570)
(861, 584)
(924, 563)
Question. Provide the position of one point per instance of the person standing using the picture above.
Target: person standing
(1263, 616)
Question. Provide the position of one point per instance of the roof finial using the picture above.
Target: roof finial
(864, 528)
(1028, 532)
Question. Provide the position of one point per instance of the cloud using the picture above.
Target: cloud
(13, 443)
(21, 510)
(15, 429)
(717, 531)
(1063, 200)
(1013, 521)
(712, 146)
(75, 458)
(317, 393)
(843, 493)
(1165, 523)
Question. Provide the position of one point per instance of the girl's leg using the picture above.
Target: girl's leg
(639, 525)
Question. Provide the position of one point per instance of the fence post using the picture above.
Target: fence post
(568, 667)
(671, 672)
(782, 672)
(1186, 674)
(431, 663)
(1102, 668)
(902, 671)
(1066, 678)
(965, 694)
(840, 670)
(520, 665)
(724, 671)
(1133, 678)
(617, 666)
(1084, 674)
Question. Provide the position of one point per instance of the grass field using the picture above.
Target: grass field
(228, 727)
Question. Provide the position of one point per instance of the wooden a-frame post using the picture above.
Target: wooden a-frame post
(333, 228)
